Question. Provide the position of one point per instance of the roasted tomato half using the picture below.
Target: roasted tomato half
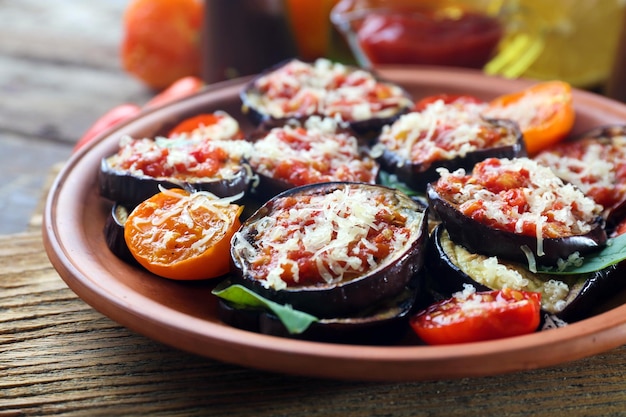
(317, 150)
(448, 132)
(477, 316)
(296, 89)
(595, 162)
(180, 235)
(518, 210)
(544, 112)
(331, 249)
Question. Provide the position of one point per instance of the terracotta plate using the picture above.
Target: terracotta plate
(183, 315)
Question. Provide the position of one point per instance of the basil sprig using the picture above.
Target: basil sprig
(295, 321)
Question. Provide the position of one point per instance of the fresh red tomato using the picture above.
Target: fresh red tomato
(447, 99)
(545, 113)
(161, 40)
(108, 120)
(479, 316)
(183, 87)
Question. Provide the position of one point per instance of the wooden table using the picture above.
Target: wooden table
(60, 356)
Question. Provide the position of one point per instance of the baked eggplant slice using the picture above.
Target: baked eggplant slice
(517, 210)
(294, 89)
(596, 163)
(331, 249)
(314, 151)
(451, 134)
(384, 323)
(135, 173)
(571, 297)
(114, 233)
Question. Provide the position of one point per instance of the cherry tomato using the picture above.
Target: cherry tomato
(180, 235)
(545, 113)
(180, 88)
(447, 99)
(108, 120)
(193, 123)
(479, 316)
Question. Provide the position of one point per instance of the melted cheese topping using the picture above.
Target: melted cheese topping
(596, 166)
(496, 274)
(443, 131)
(521, 196)
(179, 158)
(326, 237)
(529, 110)
(187, 225)
(326, 88)
(313, 154)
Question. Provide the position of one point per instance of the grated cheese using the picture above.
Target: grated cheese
(597, 166)
(496, 274)
(326, 88)
(334, 229)
(320, 151)
(550, 208)
(442, 131)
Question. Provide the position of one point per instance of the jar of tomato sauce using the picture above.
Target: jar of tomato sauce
(462, 33)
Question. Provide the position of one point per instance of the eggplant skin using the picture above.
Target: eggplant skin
(587, 292)
(130, 190)
(384, 324)
(479, 238)
(346, 297)
(114, 233)
(419, 175)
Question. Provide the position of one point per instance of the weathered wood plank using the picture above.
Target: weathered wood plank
(59, 71)
(59, 356)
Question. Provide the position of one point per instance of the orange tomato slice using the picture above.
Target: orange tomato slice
(545, 113)
(180, 235)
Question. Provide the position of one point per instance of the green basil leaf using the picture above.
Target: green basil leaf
(294, 320)
(613, 253)
(392, 181)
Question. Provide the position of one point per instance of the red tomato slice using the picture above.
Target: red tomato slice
(193, 123)
(180, 88)
(545, 113)
(479, 316)
(447, 99)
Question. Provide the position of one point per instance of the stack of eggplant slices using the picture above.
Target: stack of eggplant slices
(354, 213)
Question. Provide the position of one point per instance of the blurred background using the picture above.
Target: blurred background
(65, 64)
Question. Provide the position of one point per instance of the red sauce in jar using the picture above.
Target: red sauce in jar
(429, 37)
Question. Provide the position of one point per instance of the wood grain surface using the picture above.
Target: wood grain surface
(58, 356)
(58, 72)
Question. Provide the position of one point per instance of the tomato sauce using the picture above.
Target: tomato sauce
(429, 37)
